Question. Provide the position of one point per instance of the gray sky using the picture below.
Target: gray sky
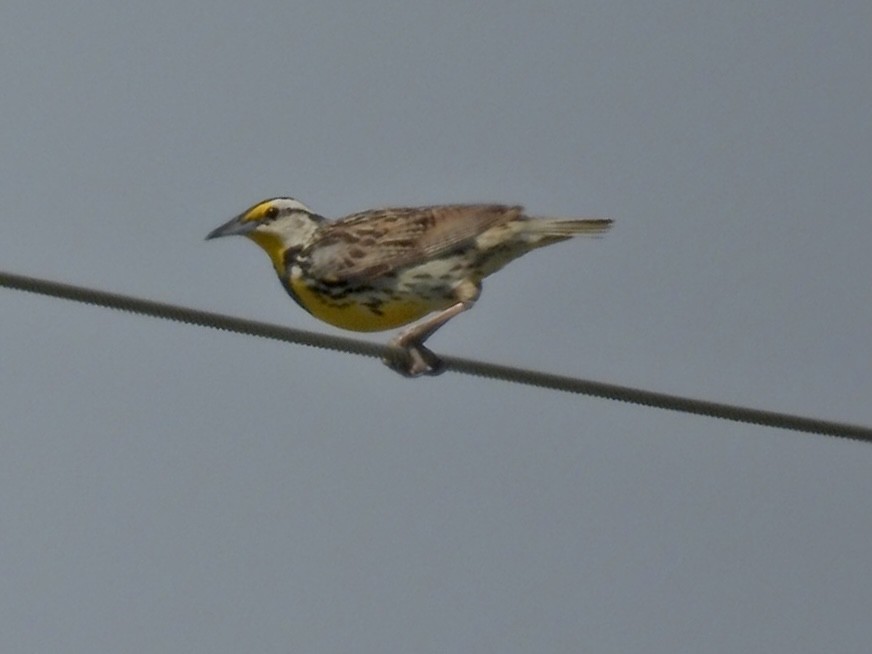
(167, 488)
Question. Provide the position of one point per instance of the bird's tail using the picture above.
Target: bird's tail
(570, 227)
(538, 232)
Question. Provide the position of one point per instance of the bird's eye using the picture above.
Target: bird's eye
(272, 213)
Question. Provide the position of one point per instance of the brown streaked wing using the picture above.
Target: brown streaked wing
(366, 245)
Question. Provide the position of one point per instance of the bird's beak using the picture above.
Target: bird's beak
(233, 227)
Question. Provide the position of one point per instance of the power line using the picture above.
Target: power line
(456, 364)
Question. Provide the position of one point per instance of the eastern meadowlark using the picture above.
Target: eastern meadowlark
(383, 268)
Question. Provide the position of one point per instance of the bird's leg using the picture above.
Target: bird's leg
(412, 359)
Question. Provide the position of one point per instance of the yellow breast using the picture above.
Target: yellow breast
(350, 313)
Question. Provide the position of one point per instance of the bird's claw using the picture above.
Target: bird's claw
(413, 360)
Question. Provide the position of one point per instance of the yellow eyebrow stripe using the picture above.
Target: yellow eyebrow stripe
(257, 212)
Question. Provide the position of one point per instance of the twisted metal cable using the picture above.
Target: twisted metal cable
(456, 364)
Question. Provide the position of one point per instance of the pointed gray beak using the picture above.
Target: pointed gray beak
(232, 227)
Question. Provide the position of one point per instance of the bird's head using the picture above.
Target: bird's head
(276, 225)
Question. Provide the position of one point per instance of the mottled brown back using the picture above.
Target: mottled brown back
(367, 245)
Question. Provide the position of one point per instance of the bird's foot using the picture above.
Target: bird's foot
(412, 359)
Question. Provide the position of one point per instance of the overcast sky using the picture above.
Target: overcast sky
(167, 488)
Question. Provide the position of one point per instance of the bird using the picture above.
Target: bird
(384, 268)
